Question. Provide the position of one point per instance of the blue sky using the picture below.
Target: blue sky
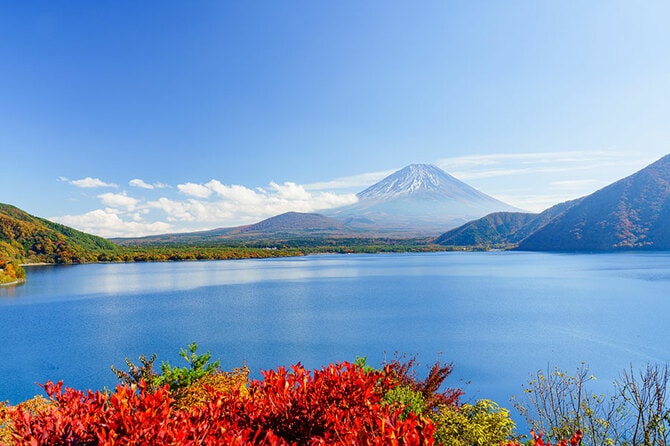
(130, 118)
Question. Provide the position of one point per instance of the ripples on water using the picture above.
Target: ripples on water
(498, 316)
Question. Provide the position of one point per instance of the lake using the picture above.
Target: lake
(498, 316)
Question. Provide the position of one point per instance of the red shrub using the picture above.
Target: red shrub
(339, 404)
(403, 371)
(537, 440)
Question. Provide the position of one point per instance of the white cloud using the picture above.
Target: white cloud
(106, 224)
(515, 164)
(236, 193)
(144, 185)
(290, 191)
(121, 200)
(194, 190)
(354, 182)
(205, 206)
(174, 210)
(89, 182)
(240, 205)
(140, 183)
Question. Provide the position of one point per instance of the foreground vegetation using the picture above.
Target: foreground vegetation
(346, 403)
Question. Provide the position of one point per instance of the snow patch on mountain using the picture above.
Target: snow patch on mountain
(421, 181)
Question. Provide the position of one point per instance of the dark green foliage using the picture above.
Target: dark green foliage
(362, 362)
(180, 377)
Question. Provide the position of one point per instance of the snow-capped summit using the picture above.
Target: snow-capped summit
(418, 199)
(421, 181)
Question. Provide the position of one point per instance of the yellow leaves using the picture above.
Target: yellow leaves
(200, 391)
(36, 405)
(484, 423)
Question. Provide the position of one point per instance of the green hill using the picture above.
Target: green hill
(25, 238)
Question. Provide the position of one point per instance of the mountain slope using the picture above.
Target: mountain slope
(291, 223)
(497, 229)
(32, 239)
(632, 213)
(501, 229)
(287, 225)
(418, 199)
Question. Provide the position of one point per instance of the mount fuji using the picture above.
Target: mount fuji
(420, 200)
(416, 200)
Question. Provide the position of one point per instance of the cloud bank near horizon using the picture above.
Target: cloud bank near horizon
(530, 181)
(194, 207)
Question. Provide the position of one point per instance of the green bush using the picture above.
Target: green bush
(180, 377)
(176, 377)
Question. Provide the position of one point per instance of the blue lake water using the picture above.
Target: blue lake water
(498, 316)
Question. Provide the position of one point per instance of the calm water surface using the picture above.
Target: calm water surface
(498, 316)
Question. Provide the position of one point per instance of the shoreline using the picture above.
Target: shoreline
(15, 282)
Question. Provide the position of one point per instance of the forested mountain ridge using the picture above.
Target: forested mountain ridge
(25, 238)
(632, 213)
(501, 229)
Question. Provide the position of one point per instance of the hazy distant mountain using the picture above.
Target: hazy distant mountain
(292, 223)
(287, 225)
(632, 213)
(418, 199)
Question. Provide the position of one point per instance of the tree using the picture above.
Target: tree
(646, 416)
(636, 413)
